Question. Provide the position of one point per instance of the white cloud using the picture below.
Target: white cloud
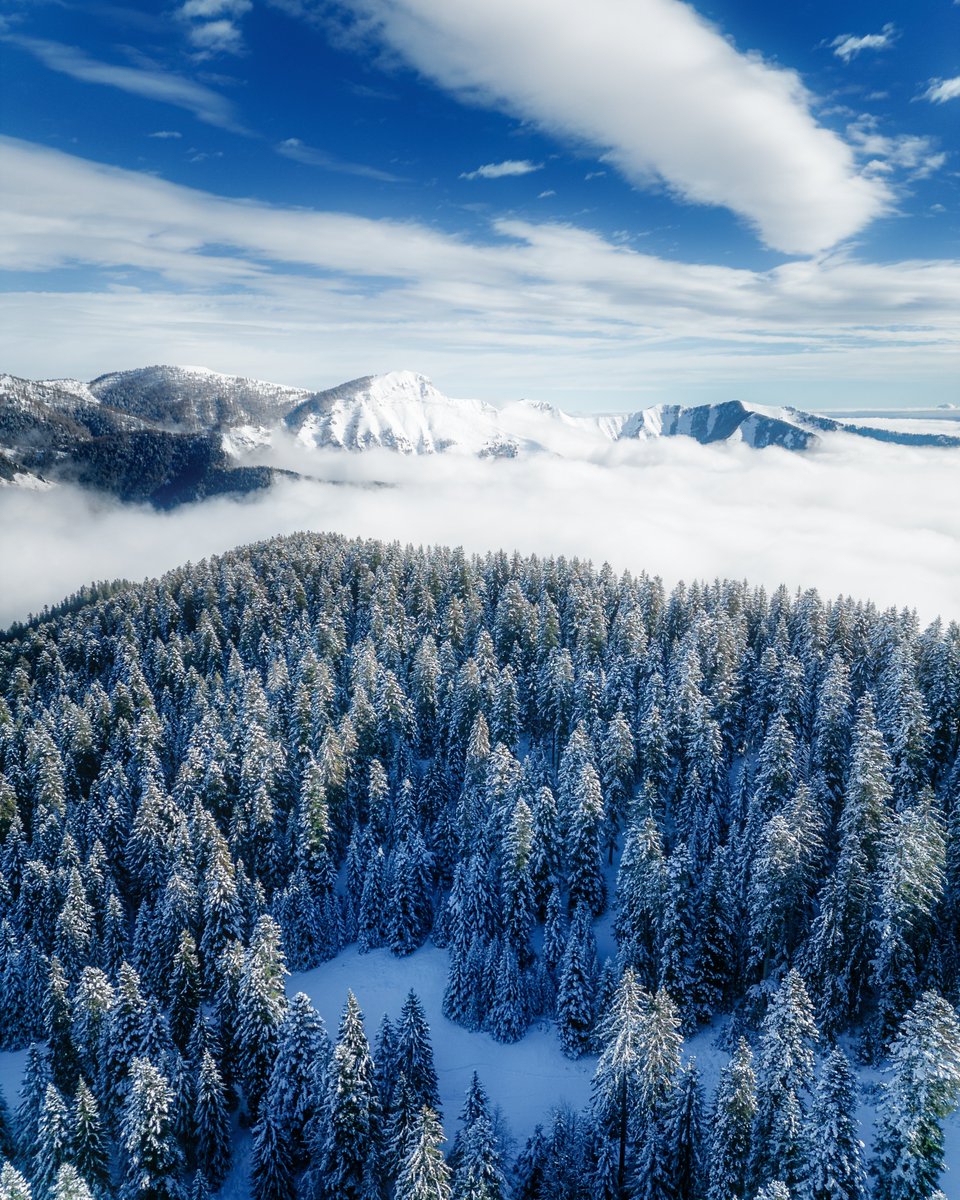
(216, 37)
(213, 25)
(913, 154)
(848, 45)
(879, 522)
(942, 90)
(545, 195)
(300, 152)
(205, 104)
(534, 307)
(165, 134)
(501, 170)
(660, 90)
(208, 10)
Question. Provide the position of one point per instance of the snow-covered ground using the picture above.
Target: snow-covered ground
(526, 1079)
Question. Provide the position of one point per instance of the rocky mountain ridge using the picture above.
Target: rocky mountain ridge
(167, 435)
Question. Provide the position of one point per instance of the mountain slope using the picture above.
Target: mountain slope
(192, 400)
(171, 434)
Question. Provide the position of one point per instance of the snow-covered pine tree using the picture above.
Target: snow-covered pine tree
(785, 1071)
(424, 1174)
(348, 1163)
(89, 1150)
(413, 1054)
(922, 1088)
(53, 1143)
(577, 986)
(212, 1125)
(70, 1185)
(685, 1135)
(262, 1005)
(154, 1163)
(834, 1166)
(732, 1121)
(13, 1185)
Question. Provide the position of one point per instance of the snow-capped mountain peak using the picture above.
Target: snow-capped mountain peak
(401, 410)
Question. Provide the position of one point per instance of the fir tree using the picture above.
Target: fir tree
(413, 1055)
(349, 1162)
(212, 1137)
(89, 1150)
(784, 1077)
(424, 1174)
(53, 1143)
(70, 1185)
(922, 1089)
(13, 1186)
(834, 1168)
(734, 1113)
(154, 1162)
(684, 1135)
(576, 988)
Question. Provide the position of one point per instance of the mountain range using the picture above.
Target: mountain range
(169, 435)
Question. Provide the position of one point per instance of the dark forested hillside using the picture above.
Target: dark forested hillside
(311, 742)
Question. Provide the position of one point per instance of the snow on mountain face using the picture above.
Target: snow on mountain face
(49, 427)
(403, 411)
(194, 400)
(399, 411)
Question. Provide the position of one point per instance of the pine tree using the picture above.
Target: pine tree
(154, 1160)
(576, 988)
(293, 1101)
(684, 1135)
(53, 1143)
(834, 1168)
(784, 1077)
(507, 1020)
(413, 1055)
(212, 1138)
(271, 1168)
(261, 1008)
(530, 1169)
(33, 1091)
(58, 1018)
(424, 1175)
(617, 1082)
(734, 1113)
(585, 862)
(13, 1186)
(922, 1089)
(70, 1185)
(478, 1174)
(349, 1166)
(184, 989)
(89, 1150)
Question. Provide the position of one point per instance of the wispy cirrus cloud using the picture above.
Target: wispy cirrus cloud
(164, 271)
(502, 170)
(150, 84)
(312, 157)
(848, 45)
(942, 90)
(657, 88)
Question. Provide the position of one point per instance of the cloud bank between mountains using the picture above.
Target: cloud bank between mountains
(873, 521)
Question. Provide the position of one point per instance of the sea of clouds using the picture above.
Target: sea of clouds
(854, 517)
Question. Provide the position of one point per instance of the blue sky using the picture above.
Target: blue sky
(603, 205)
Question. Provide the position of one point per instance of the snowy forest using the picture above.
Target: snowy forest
(234, 772)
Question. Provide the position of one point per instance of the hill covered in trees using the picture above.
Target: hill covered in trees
(253, 762)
